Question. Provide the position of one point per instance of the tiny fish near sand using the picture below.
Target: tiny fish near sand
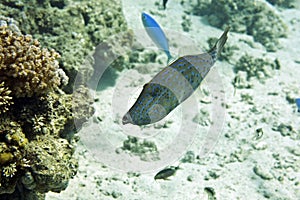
(166, 173)
(156, 33)
(173, 85)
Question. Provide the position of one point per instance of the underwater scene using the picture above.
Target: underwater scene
(149, 99)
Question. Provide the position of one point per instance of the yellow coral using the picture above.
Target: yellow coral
(5, 157)
(20, 139)
(10, 170)
(25, 67)
(5, 99)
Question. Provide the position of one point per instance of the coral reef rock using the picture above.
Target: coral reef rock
(38, 121)
(25, 67)
(5, 98)
(49, 22)
(254, 18)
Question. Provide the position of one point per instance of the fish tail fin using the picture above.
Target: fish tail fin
(170, 57)
(217, 48)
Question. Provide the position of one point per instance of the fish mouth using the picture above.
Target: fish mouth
(127, 119)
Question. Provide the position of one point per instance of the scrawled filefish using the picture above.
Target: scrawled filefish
(156, 33)
(171, 86)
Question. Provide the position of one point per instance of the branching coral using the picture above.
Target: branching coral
(25, 67)
(47, 21)
(5, 98)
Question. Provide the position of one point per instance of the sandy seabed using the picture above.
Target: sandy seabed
(224, 158)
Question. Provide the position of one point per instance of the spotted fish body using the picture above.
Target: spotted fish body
(171, 86)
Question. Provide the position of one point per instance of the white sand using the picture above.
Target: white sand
(238, 166)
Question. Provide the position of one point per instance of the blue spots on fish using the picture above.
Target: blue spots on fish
(148, 104)
(188, 71)
(156, 33)
(297, 100)
(173, 85)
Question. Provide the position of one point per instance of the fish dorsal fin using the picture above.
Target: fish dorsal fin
(217, 48)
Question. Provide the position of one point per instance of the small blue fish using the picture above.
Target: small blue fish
(156, 34)
(173, 85)
(297, 100)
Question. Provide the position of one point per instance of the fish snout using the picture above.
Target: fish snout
(127, 119)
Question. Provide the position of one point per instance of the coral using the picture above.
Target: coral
(25, 67)
(12, 157)
(42, 141)
(48, 21)
(186, 23)
(44, 115)
(189, 157)
(58, 114)
(255, 18)
(286, 129)
(5, 98)
(111, 56)
(255, 67)
(240, 81)
(146, 150)
(82, 102)
(11, 23)
(52, 164)
(37, 130)
(283, 3)
(5, 157)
